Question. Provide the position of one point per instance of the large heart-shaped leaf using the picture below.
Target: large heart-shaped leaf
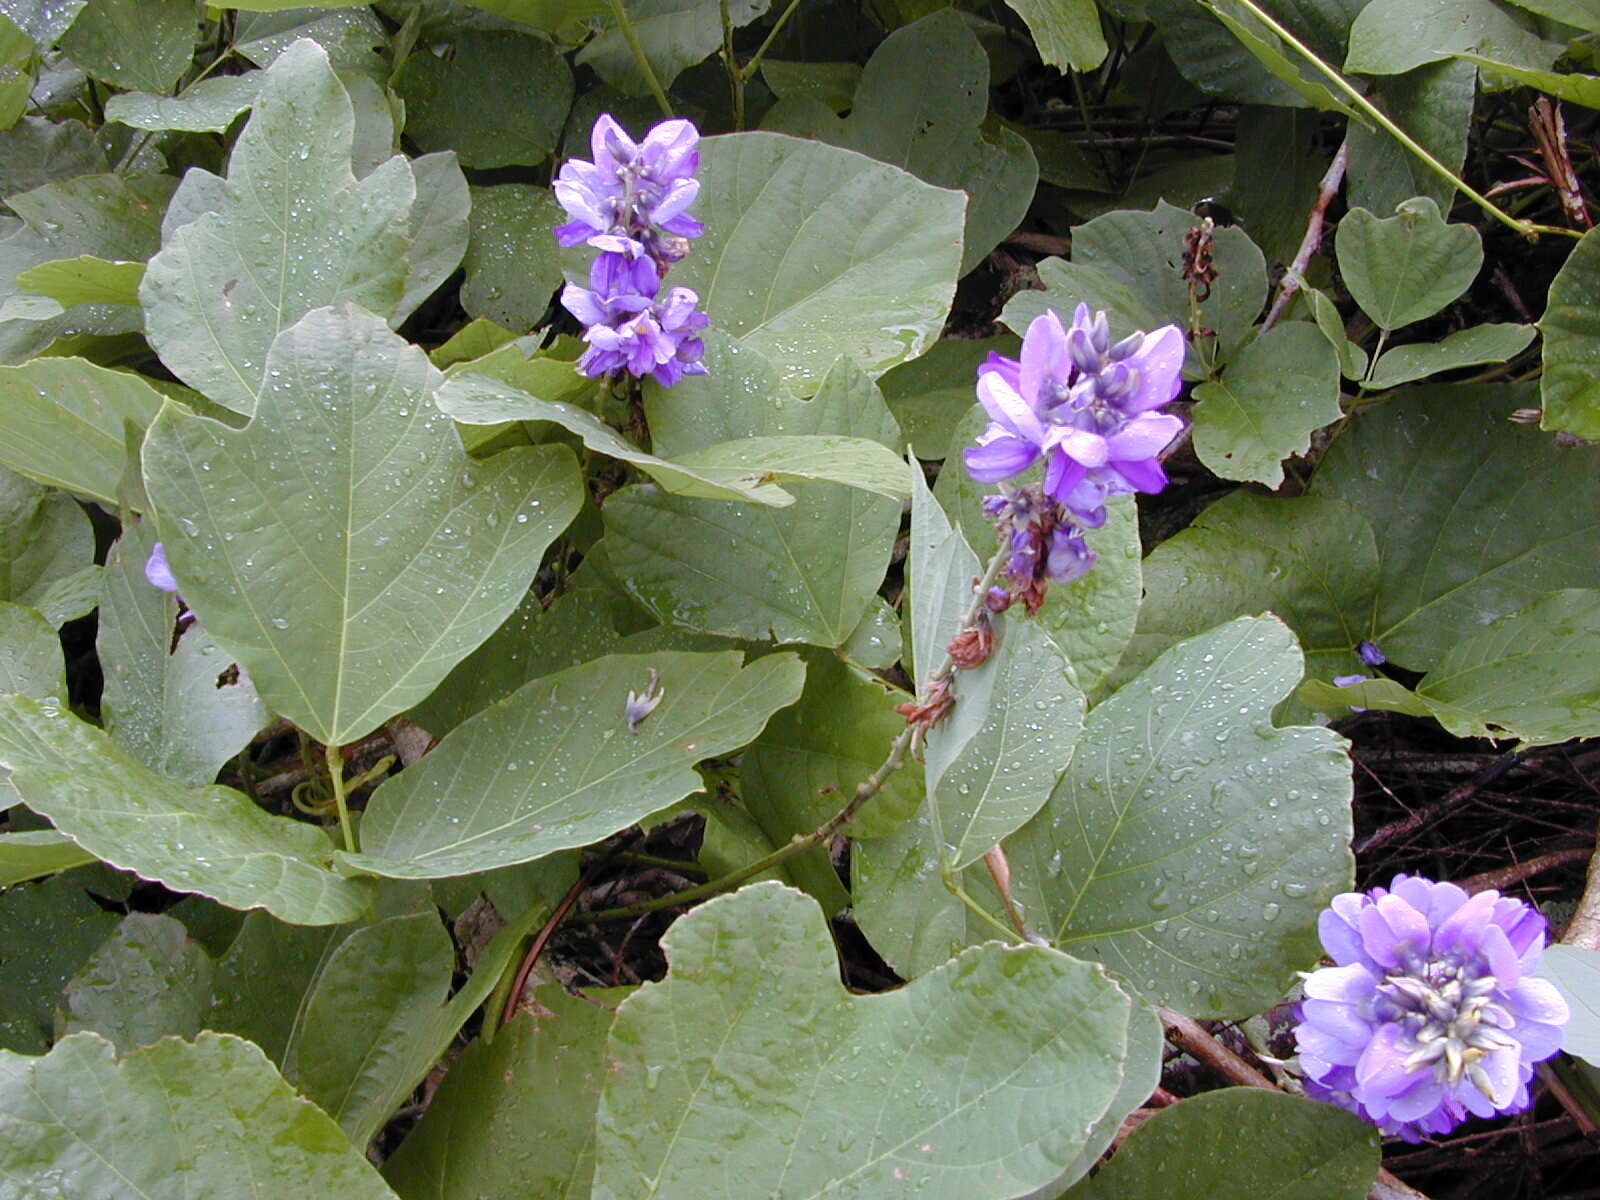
(342, 547)
(1316, 1151)
(981, 1079)
(147, 981)
(1067, 32)
(1191, 844)
(811, 252)
(1576, 971)
(295, 231)
(211, 840)
(1406, 267)
(49, 930)
(46, 551)
(177, 709)
(196, 1116)
(1391, 36)
(556, 764)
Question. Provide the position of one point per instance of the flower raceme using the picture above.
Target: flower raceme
(1086, 408)
(1431, 1012)
(631, 205)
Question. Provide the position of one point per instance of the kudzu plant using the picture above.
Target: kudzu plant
(679, 598)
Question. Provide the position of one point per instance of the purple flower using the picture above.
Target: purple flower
(1085, 407)
(629, 329)
(1431, 1013)
(640, 705)
(157, 571)
(1370, 654)
(633, 199)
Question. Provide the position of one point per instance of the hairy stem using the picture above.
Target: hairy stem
(1293, 277)
(631, 36)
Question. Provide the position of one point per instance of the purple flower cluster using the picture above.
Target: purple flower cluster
(1431, 1013)
(1086, 408)
(631, 204)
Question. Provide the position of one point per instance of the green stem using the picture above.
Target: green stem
(735, 79)
(1525, 228)
(953, 885)
(336, 778)
(631, 36)
(869, 787)
(749, 69)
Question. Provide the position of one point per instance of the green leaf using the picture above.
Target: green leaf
(198, 1115)
(30, 655)
(533, 641)
(940, 570)
(554, 765)
(511, 264)
(49, 930)
(1534, 675)
(1130, 263)
(1191, 845)
(1270, 51)
(1463, 348)
(1352, 358)
(1577, 89)
(1314, 1151)
(1475, 516)
(32, 855)
(477, 399)
(46, 551)
(439, 227)
(1312, 560)
(1433, 104)
(1067, 32)
(1001, 1033)
(295, 231)
(133, 43)
(147, 981)
(376, 994)
(774, 271)
(211, 840)
(930, 395)
(19, 69)
(348, 604)
(673, 35)
(808, 760)
(84, 280)
(42, 20)
(537, 1082)
(1406, 267)
(1092, 620)
(209, 106)
(499, 100)
(1576, 971)
(1032, 717)
(1271, 398)
(178, 710)
(831, 83)
(805, 573)
(291, 956)
(1391, 36)
(934, 126)
(1569, 392)
(899, 899)
(353, 38)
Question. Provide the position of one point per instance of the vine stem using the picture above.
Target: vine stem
(1294, 276)
(1526, 229)
(749, 69)
(1584, 928)
(631, 36)
(336, 778)
(899, 750)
